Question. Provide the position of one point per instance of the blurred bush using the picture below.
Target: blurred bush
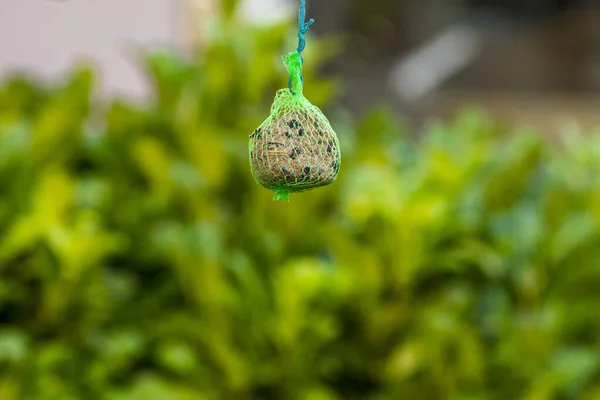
(138, 260)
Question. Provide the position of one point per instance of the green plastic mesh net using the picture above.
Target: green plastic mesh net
(295, 149)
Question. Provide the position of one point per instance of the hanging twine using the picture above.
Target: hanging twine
(294, 61)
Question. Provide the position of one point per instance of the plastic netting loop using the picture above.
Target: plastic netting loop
(293, 64)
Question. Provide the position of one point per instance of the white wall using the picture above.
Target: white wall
(47, 37)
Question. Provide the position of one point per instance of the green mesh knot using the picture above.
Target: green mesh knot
(282, 196)
(295, 149)
(293, 64)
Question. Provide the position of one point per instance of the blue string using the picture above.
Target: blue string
(303, 27)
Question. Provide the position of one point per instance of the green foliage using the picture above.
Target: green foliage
(138, 259)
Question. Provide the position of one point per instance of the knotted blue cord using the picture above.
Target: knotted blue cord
(303, 27)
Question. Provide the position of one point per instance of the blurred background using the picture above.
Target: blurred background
(533, 61)
(456, 257)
